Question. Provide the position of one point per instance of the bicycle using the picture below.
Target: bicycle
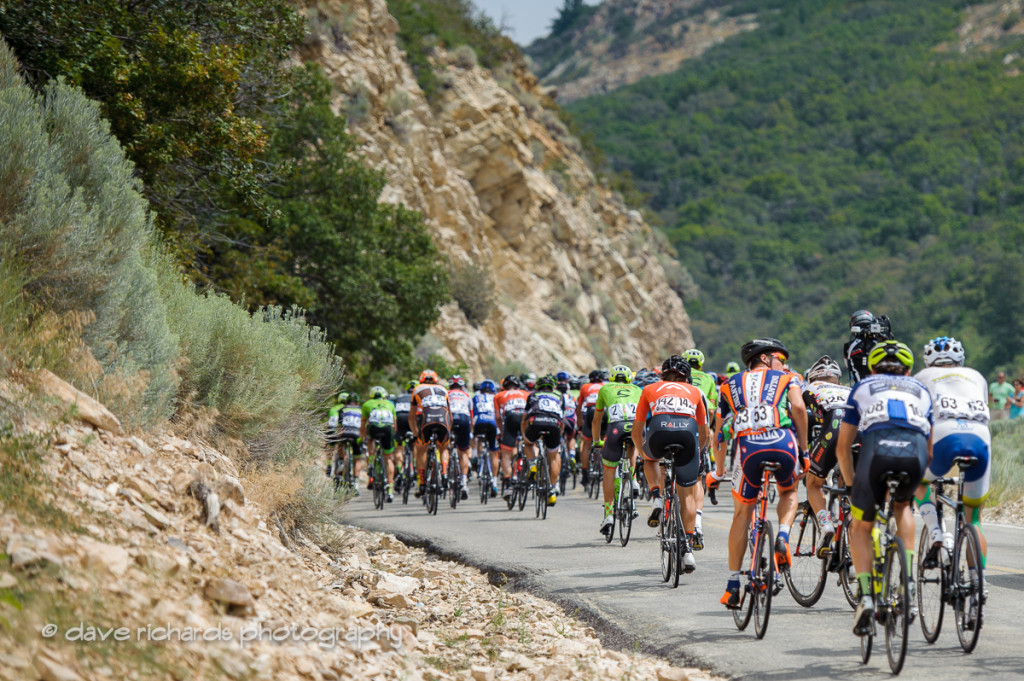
(568, 468)
(483, 476)
(432, 479)
(594, 472)
(889, 581)
(454, 481)
(951, 572)
(520, 477)
(344, 475)
(541, 483)
(641, 479)
(674, 542)
(760, 586)
(407, 477)
(624, 505)
(379, 473)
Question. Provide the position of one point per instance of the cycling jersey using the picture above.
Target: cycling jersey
(707, 385)
(350, 421)
(961, 414)
(619, 401)
(379, 413)
(889, 401)
(826, 405)
(460, 404)
(588, 396)
(509, 406)
(402, 405)
(430, 405)
(669, 414)
(483, 408)
(544, 418)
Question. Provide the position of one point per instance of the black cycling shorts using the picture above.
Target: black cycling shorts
(487, 433)
(386, 435)
(669, 429)
(345, 439)
(402, 429)
(546, 428)
(438, 428)
(823, 449)
(461, 431)
(588, 420)
(513, 421)
(887, 449)
(616, 442)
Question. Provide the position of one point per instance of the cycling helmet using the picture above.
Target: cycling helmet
(562, 387)
(753, 349)
(456, 381)
(510, 382)
(410, 386)
(861, 321)
(595, 376)
(889, 355)
(546, 382)
(575, 384)
(476, 386)
(695, 357)
(428, 376)
(943, 351)
(562, 376)
(342, 397)
(824, 367)
(353, 398)
(378, 392)
(677, 364)
(529, 380)
(620, 373)
(732, 368)
(487, 386)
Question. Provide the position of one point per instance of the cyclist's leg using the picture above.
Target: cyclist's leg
(867, 495)
(977, 481)
(611, 454)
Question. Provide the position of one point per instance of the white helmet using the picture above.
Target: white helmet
(824, 367)
(943, 351)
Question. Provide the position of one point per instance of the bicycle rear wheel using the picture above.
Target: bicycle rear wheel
(896, 604)
(763, 579)
(624, 510)
(454, 479)
(968, 587)
(523, 484)
(865, 647)
(668, 534)
(931, 591)
(806, 575)
(847, 577)
(677, 541)
(378, 481)
(741, 616)
(433, 491)
(544, 485)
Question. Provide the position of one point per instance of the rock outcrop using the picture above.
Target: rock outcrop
(579, 278)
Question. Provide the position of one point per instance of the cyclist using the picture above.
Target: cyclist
(617, 400)
(671, 411)
(893, 413)
(349, 426)
(585, 416)
(960, 398)
(378, 422)
(574, 387)
(485, 428)
(731, 368)
(460, 405)
(569, 425)
(706, 384)
(331, 432)
(429, 415)
(764, 404)
(826, 401)
(542, 423)
(865, 331)
(402, 404)
(509, 405)
(528, 380)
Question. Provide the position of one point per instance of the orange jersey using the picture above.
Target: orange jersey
(669, 397)
(588, 396)
(431, 402)
(509, 400)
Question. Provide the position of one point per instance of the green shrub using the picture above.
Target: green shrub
(1007, 461)
(473, 289)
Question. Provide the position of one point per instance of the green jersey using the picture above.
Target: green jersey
(703, 382)
(619, 400)
(379, 413)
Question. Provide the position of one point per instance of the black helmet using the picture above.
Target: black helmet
(510, 382)
(546, 382)
(861, 321)
(677, 364)
(476, 386)
(595, 376)
(753, 349)
(575, 383)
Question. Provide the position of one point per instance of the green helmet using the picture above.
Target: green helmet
(695, 358)
(890, 353)
(378, 392)
(620, 373)
(732, 368)
(546, 382)
(342, 397)
(353, 398)
(410, 386)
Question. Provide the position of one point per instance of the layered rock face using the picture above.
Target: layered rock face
(627, 40)
(578, 277)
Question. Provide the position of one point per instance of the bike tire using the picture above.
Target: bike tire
(896, 601)
(625, 512)
(741, 616)
(378, 483)
(847, 579)
(964, 588)
(763, 581)
(677, 543)
(806, 575)
(454, 480)
(667, 538)
(433, 486)
(865, 647)
(931, 591)
(544, 488)
(524, 485)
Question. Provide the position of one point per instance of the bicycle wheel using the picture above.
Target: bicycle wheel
(676, 545)
(454, 480)
(806, 575)
(847, 577)
(865, 647)
(563, 471)
(896, 603)
(931, 591)
(544, 485)
(523, 483)
(741, 616)
(625, 504)
(667, 533)
(378, 482)
(433, 485)
(511, 499)
(968, 587)
(763, 580)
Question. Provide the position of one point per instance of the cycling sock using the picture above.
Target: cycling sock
(929, 515)
(655, 493)
(734, 579)
(608, 508)
(864, 578)
(423, 475)
(910, 561)
(822, 517)
(784, 533)
(697, 527)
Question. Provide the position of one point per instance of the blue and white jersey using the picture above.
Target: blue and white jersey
(888, 401)
(960, 399)
(483, 408)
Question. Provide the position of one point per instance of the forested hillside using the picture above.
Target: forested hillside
(843, 155)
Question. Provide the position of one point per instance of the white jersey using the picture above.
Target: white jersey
(960, 399)
(886, 400)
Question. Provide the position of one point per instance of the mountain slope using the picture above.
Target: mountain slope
(841, 156)
(596, 49)
(579, 279)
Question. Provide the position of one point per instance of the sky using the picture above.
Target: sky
(525, 19)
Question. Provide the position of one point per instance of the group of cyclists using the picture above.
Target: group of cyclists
(763, 414)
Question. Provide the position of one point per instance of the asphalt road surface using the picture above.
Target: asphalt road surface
(566, 559)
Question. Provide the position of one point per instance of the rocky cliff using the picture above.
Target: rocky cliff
(579, 279)
(626, 40)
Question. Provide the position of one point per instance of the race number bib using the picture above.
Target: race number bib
(673, 404)
(351, 420)
(623, 411)
(460, 406)
(332, 422)
(515, 404)
(953, 408)
(434, 401)
(549, 405)
(382, 417)
(755, 418)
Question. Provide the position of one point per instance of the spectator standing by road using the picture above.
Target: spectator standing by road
(1017, 399)
(999, 394)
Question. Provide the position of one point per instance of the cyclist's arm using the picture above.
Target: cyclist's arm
(642, 410)
(595, 425)
(844, 451)
(798, 412)
(412, 418)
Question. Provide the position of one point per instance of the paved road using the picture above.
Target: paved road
(620, 590)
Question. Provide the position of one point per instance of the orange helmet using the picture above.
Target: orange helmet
(428, 376)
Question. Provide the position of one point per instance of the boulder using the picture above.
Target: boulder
(112, 559)
(230, 593)
(88, 409)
